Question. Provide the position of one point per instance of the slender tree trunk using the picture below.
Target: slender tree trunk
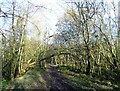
(88, 62)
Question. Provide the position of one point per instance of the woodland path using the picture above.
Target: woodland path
(55, 80)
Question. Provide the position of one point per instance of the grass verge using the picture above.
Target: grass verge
(89, 82)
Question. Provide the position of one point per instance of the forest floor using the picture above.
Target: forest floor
(65, 80)
(53, 79)
(48, 79)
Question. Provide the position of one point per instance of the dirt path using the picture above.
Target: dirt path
(55, 81)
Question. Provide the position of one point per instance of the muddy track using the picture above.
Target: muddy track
(55, 81)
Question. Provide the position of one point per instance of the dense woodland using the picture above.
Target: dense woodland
(86, 42)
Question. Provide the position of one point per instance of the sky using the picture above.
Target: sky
(51, 16)
(45, 17)
(56, 10)
(48, 17)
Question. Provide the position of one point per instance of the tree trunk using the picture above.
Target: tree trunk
(88, 60)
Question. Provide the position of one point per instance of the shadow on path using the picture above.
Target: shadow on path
(55, 81)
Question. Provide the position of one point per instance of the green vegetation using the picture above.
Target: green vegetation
(91, 82)
(31, 80)
(67, 69)
(85, 47)
(4, 84)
